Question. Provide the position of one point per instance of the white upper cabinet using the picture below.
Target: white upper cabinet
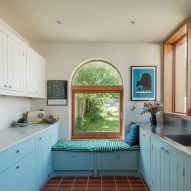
(16, 65)
(35, 74)
(3, 60)
(22, 70)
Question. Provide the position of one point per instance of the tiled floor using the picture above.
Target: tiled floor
(110, 183)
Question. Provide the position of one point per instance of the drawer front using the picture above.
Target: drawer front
(18, 172)
(117, 161)
(26, 147)
(12, 155)
(73, 160)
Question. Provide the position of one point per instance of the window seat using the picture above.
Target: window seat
(95, 158)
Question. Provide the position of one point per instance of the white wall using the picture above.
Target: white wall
(12, 108)
(64, 58)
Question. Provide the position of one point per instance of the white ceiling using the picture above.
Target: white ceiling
(95, 20)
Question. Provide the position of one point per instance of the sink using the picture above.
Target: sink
(181, 139)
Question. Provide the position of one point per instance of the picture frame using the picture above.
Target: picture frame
(143, 83)
(57, 92)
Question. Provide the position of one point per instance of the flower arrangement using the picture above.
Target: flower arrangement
(152, 107)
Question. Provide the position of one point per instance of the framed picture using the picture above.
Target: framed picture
(56, 92)
(143, 83)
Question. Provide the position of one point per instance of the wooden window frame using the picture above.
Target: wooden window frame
(169, 69)
(97, 89)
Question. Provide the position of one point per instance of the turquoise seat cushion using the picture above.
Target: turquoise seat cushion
(93, 145)
(132, 137)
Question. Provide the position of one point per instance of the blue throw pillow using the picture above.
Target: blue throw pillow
(132, 137)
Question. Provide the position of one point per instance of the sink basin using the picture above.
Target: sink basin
(181, 139)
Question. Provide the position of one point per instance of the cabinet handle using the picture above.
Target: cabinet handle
(40, 138)
(17, 167)
(17, 151)
(5, 86)
(10, 86)
(162, 148)
(73, 156)
(166, 151)
(143, 135)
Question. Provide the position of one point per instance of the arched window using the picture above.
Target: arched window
(97, 97)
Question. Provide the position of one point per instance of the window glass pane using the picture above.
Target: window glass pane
(97, 112)
(180, 76)
(97, 73)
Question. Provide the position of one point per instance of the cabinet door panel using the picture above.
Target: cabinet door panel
(73, 161)
(35, 74)
(117, 161)
(155, 165)
(177, 172)
(145, 155)
(18, 172)
(3, 60)
(16, 65)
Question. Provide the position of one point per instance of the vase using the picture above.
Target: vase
(153, 120)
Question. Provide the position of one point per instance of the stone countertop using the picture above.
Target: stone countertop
(13, 135)
(162, 129)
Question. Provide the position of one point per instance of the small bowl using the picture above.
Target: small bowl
(50, 121)
(23, 124)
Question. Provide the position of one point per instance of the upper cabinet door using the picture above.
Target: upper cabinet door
(3, 60)
(35, 74)
(16, 65)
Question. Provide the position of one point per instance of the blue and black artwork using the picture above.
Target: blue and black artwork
(143, 82)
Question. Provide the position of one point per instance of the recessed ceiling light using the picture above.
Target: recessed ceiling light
(132, 22)
(57, 22)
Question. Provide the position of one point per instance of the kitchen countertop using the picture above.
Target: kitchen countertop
(162, 129)
(13, 135)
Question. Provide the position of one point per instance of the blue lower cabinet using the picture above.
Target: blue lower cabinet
(168, 167)
(145, 155)
(44, 143)
(18, 174)
(43, 158)
(117, 161)
(73, 160)
(155, 184)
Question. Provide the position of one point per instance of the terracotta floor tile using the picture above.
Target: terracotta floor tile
(75, 186)
(121, 178)
(94, 181)
(68, 178)
(94, 186)
(53, 181)
(108, 189)
(67, 181)
(93, 189)
(108, 181)
(65, 186)
(108, 177)
(95, 178)
(51, 186)
(109, 186)
(123, 185)
(82, 177)
(104, 183)
(133, 178)
(138, 186)
(57, 178)
(63, 189)
(80, 182)
(136, 181)
(124, 189)
(122, 182)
